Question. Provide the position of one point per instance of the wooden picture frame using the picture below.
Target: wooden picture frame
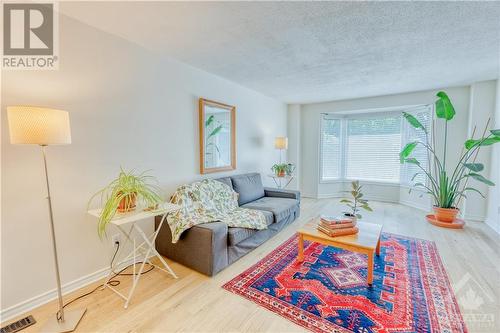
(215, 154)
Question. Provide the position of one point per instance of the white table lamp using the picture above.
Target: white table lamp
(43, 127)
(281, 143)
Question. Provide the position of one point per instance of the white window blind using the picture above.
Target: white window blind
(411, 134)
(373, 143)
(330, 148)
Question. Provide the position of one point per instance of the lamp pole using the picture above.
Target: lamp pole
(60, 314)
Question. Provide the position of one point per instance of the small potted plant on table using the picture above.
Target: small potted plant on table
(280, 169)
(356, 203)
(123, 194)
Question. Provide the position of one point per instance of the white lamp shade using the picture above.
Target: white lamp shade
(281, 142)
(40, 126)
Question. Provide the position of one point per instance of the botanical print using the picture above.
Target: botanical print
(210, 201)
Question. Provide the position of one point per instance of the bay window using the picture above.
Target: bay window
(366, 146)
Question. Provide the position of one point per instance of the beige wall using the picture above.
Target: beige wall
(128, 108)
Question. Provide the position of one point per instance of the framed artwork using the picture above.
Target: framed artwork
(217, 136)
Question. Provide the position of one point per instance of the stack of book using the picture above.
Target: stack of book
(333, 226)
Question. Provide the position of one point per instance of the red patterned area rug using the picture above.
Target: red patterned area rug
(328, 292)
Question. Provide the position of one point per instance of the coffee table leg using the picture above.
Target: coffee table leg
(378, 247)
(370, 268)
(300, 256)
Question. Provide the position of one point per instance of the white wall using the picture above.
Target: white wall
(294, 153)
(493, 216)
(128, 108)
(480, 108)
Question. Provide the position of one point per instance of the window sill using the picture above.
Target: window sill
(363, 182)
(332, 181)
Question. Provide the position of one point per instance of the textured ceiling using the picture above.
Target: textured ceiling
(315, 51)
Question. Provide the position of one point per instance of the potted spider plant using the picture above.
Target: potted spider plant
(280, 169)
(448, 188)
(124, 193)
(356, 203)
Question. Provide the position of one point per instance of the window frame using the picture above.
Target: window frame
(341, 139)
(343, 117)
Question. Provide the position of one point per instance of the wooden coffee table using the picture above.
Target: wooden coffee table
(366, 241)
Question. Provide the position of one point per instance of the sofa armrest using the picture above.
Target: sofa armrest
(202, 248)
(280, 193)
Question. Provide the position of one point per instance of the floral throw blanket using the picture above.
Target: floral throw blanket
(210, 201)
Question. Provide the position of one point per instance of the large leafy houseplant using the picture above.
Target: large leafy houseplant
(448, 188)
(124, 193)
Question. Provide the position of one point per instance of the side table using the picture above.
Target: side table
(282, 182)
(127, 224)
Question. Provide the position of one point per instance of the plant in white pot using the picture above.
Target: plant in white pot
(356, 203)
(448, 185)
(124, 193)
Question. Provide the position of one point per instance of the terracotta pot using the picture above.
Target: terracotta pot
(348, 216)
(446, 214)
(281, 173)
(127, 203)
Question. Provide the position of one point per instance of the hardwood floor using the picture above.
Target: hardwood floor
(196, 303)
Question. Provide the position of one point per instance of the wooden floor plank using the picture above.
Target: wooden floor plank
(197, 303)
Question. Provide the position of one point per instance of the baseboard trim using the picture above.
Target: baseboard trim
(412, 204)
(493, 225)
(367, 197)
(472, 217)
(48, 296)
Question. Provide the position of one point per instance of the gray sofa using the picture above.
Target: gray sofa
(210, 247)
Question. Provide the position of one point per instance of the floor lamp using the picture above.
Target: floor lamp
(44, 127)
(281, 143)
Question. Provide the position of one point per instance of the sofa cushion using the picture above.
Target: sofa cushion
(280, 207)
(225, 180)
(236, 235)
(249, 187)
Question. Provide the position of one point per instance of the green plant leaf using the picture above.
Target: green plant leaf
(490, 141)
(481, 179)
(403, 155)
(444, 108)
(476, 167)
(414, 121)
(474, 190)
(345, 201)
(471, 143)
(495, 132)
(412, 160)
(368, 208)
(209, 120)
(215, 131)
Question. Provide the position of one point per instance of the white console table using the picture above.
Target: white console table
(127, 224)
(283, 181)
